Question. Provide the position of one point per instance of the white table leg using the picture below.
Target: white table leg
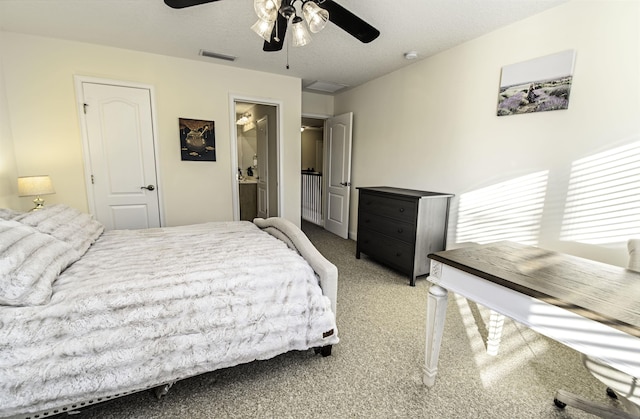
(436, 313)
(496, 321)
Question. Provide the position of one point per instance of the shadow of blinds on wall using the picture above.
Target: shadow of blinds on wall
(603, 199)
(510, 210)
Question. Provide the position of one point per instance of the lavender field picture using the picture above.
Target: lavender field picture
(541, 84)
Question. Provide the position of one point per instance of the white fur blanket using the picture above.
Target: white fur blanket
(146, 307)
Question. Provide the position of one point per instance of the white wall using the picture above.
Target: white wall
(43, 116)
(433, 125)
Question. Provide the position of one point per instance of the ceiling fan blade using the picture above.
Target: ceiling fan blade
(349, 22)
(279, 29)
(180, 4)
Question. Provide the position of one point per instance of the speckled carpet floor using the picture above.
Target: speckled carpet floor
(376, 369)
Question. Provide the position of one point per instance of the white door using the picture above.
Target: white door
(262, 136)
(120, 140)
(338, 170)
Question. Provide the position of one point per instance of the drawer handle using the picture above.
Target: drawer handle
(400, 230)
(401, 209)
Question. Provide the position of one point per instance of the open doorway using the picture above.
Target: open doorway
(334, 179)
(256, 165)
(312, 163)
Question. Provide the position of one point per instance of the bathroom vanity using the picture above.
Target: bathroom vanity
(248, 199)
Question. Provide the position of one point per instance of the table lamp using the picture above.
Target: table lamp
(35, 186)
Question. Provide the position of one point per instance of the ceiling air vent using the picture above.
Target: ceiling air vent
(327, 87)
(210, 54)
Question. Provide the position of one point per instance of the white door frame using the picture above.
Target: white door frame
(78, 80)
(235, 188)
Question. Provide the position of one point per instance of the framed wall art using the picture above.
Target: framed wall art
(541, 84)
(197, 139)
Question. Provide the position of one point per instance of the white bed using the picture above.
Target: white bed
(86, 315)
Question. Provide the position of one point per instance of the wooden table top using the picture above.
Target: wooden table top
(598, 291)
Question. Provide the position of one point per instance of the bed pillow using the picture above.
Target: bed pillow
(67, 224)
(30, 262)
(9, 214)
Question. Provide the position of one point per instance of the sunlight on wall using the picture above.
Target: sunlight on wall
(603, 200)
(510, 210)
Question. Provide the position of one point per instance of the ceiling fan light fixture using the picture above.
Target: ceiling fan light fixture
(287, 10)
(267, 9)
(315, 16)
(263, 28)
(301, 35)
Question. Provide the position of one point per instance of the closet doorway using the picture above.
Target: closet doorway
(256, 159)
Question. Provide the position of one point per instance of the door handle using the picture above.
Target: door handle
(148, 187)
(345, 183)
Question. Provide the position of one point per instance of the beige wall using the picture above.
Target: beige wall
(8, 172)
(315, 104)
(45, 132)
(310, 158)
(433, 125)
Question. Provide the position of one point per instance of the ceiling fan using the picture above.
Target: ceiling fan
(272, 23)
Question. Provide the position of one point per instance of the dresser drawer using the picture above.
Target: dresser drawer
(393, 252)
(399, 209)
(388, 226)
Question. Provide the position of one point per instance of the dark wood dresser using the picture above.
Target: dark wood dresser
(400, 227)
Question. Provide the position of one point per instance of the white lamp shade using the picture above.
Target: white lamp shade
(267, 9)
(316, 16)
(301, 35)
(263, 28)
(35, 186)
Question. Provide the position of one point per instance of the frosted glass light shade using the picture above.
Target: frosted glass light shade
(301, 35)
(35, 185)
(316, 16)
(267, 9)
(263, 28)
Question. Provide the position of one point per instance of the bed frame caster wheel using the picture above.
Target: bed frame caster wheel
(559, 404)
(611, 393)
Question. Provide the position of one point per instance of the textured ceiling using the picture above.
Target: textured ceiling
(424, 26)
